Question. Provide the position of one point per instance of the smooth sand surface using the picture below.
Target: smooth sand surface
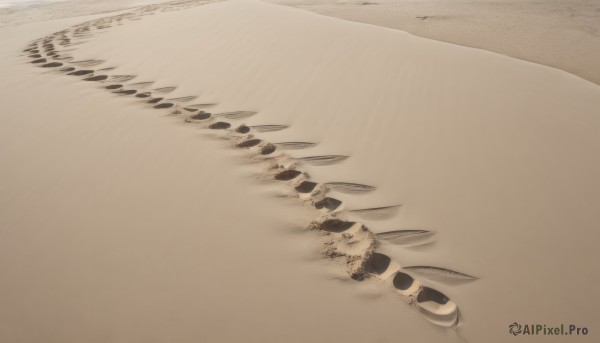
(120, 223)
(557, 33)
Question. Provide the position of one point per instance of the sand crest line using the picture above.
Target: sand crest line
(348, 243)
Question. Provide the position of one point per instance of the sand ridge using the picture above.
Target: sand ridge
(348, 243)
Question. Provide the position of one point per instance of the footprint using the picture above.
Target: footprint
(96, 78)
(52, 65)
(249, 143)
(143, 95)
(81, 72)
(201, 116)
(67, 69)
(163, 105)
(378, 264)
(437, 307)
(335, 225)
(114, 86)
(35, 56)
(287, 175)
(328, 203)
(268, 149)
(405, 284)
(220, 125)
(126, 92)
(39, 60)
(242, 129)
(306, 187)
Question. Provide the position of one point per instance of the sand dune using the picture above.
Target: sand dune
(557, 33)
(420, 168)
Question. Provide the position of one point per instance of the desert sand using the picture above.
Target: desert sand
(241, 171)
(557, 33)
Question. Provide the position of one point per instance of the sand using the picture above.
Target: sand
(557, 33)
(421, 167)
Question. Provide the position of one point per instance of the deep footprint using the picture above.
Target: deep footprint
(220, 125)
(287, 175)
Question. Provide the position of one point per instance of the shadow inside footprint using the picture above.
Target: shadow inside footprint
(335, 225)
(430, 294)
(249, 143)
(242, 129)
(377, 263)
(39, 60)
(268, 149)
(52, 65)
(96, 78)
(201, 116)
(402, 281)
(287, 175)
(220, 125)
(306, 187)
(81, 72)
(328, 203)
(163, 105)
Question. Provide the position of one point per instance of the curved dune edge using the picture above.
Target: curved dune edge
(576, 60)
(349, 244)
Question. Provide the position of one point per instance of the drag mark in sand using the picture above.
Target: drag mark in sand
(344, 240)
